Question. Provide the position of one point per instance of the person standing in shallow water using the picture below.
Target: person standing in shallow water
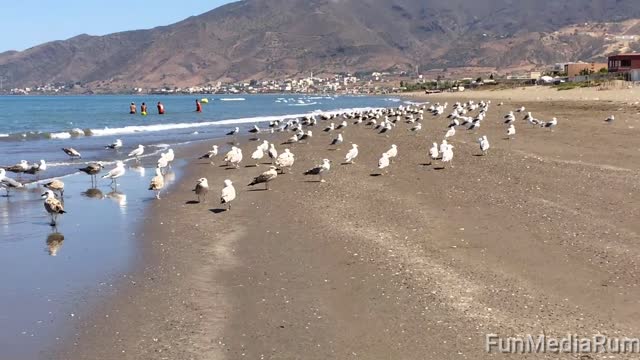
(132, 108)
(160, 108)
(143, 109)
(198, 106)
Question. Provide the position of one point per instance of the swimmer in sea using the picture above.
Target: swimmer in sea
(143, 109)
(132, 108)
(198, 106)
(160, 108)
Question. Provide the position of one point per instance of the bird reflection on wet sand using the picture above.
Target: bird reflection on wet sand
(54, 242)
(93, 193)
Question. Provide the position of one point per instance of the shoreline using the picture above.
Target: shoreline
(417, 263)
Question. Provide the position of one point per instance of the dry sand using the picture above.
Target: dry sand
(540, 235)
(615, 93)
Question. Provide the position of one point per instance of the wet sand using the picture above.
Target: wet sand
(539, 236)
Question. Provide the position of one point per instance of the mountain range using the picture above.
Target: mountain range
(259, 39)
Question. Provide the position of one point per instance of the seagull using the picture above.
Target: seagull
(92, 169)
(384, 161)
(265, 177)
(234, 131)
(73, 153)
(8, 183)
(320, 170)
(393, 152)
(443, 146)
(53, 206)
(337, 141)
(484, 144)
(202, 188)
(511, 131)
(230, 154)
(433, 152)
(273, 153)
(236, 157)
(285, 160)
(115, 145)
(137, 152)
(264, 146)
(352, 154)
(37, 167)
(115, 173)
(157, 183)
(342, 125)
(163, 162)
(228, 193)
(257, 155)
(551, 124)
(329, 128)
(255, 129)
(56, 185)
(19, 168)
(521, 109)
(418, 127)
(307, 135)
(170, 155)
(450, 132)
(447, 154)
(610, 119)
(210, 154)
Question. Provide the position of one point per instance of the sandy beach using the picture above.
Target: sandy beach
(539, 236)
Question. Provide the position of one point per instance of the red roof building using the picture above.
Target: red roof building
(624, 62)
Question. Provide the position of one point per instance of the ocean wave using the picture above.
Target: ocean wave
(393, 99)
(4, 135)
(304, 104)
(137, 129)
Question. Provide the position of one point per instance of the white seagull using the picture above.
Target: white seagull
(115, 173)
(484, 144)
(228, 194)
(137, 152)
(114, 145)
(511, 131)
(352, 154)
(320, 170)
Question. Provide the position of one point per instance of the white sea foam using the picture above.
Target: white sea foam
(304, 104)
(393, 99)
(233, 99)
(4, 135)
(60, 135)
(175, 126)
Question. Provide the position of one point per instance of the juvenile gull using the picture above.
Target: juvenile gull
(56, 185)
(53, 206)
(265, 177)
(201, 189)
(157, 183)
(92, 170)
(285, 160)
(228, 194)
(73, 153)
(320, 170)
(19, 168)
(352, 154)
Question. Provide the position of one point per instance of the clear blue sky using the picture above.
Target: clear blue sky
(26, 23)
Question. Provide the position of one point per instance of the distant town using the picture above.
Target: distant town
(624, 67)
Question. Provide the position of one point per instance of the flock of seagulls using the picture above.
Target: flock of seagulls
(467, 116)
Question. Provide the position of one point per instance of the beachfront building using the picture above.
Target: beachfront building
(583, 68)
(623, 62)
